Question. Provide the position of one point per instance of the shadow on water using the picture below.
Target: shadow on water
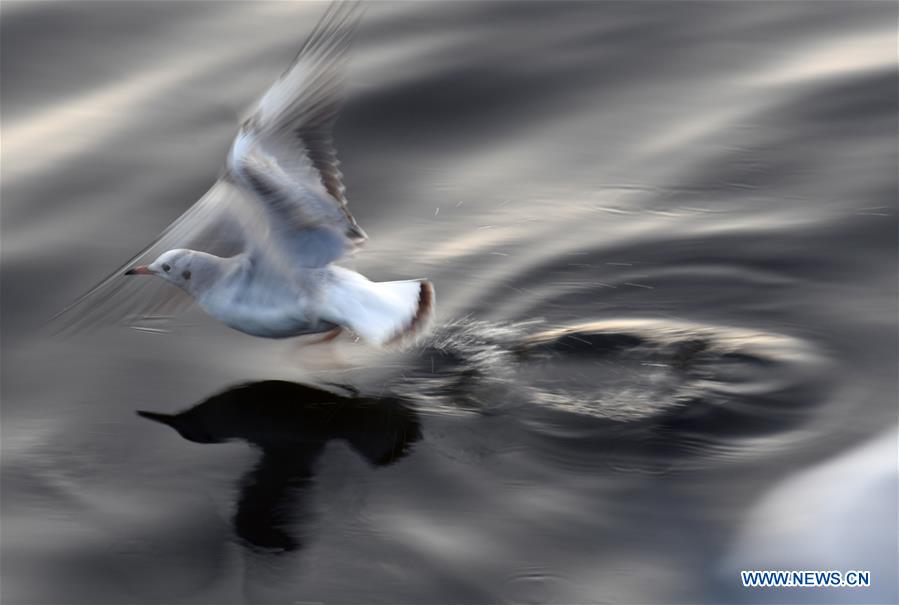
(291, 424)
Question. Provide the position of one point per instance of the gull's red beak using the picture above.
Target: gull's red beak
(141, 270)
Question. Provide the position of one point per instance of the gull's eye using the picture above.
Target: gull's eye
(166, 267)
(185, 274)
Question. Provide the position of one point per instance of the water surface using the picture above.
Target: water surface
(664, 242)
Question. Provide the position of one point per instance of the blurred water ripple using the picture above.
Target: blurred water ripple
(665, 240)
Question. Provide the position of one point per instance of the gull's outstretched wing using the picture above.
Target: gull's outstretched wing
(219, 222)
(283, 153)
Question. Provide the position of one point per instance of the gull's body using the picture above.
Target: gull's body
(257, 251)
(244, 298)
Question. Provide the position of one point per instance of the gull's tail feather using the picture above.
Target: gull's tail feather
(424, 312)
(381, 313)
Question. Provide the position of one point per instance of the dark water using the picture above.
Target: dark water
(664, 241)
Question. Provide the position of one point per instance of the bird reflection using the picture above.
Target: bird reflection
(291, 423)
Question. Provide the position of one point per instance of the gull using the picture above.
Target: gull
(257, 251)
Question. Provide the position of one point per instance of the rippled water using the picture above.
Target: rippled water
(664, 242)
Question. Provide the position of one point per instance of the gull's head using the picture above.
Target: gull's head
(179, 267)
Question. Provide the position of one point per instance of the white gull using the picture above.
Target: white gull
(279, 211)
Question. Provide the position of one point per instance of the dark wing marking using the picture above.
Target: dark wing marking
(285, 148)
(296, 240)
(317, 71)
